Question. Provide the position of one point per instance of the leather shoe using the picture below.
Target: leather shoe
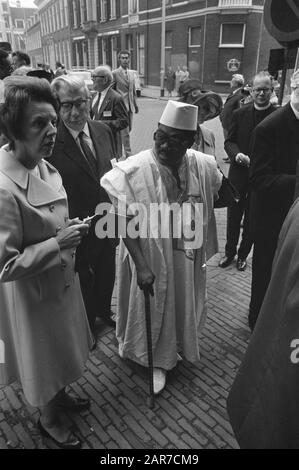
(72, 442)
(241, 264)
(73, 403)
(226, 261)
(159, 380)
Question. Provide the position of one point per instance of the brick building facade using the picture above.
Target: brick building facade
(55, 31)
(213, 38)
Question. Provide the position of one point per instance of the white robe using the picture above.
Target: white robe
(178, 308)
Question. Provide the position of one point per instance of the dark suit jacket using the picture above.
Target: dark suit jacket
(81, 184)
(239, 139)
(231, 104)
(114, 113)
(273, 169)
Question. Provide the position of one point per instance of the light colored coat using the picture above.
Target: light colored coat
(43, 323)
(178, 308)
(126, 87)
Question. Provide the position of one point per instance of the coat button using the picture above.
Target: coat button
(52, 208)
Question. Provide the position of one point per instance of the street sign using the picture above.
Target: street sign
(281, 19)
(233, 65)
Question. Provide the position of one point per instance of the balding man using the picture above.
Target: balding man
(232, 102)
(108, 105)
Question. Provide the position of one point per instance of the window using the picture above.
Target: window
(112, 9)
(104, 10)
(168, 39)
(141, 54)
(195, 36)
(133, 7)
(232, 34)
(20, 24)
(129, 43)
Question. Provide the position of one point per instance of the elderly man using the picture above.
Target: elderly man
(125, 85)
(272, 180)
(164, 263)
(238, 148)
(108, 105)
(232, 103)
(82, 155)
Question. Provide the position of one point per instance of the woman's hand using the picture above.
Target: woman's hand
(145, 280)
(70, 236)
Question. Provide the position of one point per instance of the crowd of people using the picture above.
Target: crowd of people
(66, 154)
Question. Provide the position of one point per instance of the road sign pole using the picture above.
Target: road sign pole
(284, 75)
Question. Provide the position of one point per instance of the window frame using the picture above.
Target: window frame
(234, 45)
(189, 36)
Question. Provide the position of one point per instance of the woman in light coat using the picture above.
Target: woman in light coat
(43, 324)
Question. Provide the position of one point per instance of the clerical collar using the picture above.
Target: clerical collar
(261, 108)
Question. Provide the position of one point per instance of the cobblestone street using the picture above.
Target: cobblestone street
(191, 411)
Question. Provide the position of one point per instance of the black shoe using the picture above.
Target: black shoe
(71, 443)
(73, 403)
(226, 261)
(107, 319)
(241, 264)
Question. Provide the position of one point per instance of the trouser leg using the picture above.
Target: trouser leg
(246, 243)
(125, 136)
(104, 270)
(234, 217)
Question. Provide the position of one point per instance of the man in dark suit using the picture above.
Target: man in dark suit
(272, 179)
(237, 146)
(82, 155)
(231, 104)
(108, 105)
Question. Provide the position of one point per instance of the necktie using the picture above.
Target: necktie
(88, 154)
(95, 108)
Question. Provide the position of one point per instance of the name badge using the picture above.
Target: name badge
(107, 114)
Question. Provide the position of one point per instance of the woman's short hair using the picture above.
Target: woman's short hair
(19, 92)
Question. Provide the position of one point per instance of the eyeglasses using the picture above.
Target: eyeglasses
(261, 90)
(178, 140)
(68, 105)
(97, 76)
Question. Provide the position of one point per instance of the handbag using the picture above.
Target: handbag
(227, 193)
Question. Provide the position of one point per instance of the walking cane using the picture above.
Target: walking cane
(149, 347)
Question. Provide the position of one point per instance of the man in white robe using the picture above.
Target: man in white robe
(171, 268)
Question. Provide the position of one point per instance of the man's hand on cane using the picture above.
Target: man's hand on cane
(145, 280)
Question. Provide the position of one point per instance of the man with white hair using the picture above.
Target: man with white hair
(82, 155)
(232, 102)
(108, 105)
(272, 180)
(164, 263)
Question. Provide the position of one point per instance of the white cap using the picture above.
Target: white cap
(180, 116)
(295, 79)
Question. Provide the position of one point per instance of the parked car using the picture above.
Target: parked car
(137, 82)
(83, 75)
